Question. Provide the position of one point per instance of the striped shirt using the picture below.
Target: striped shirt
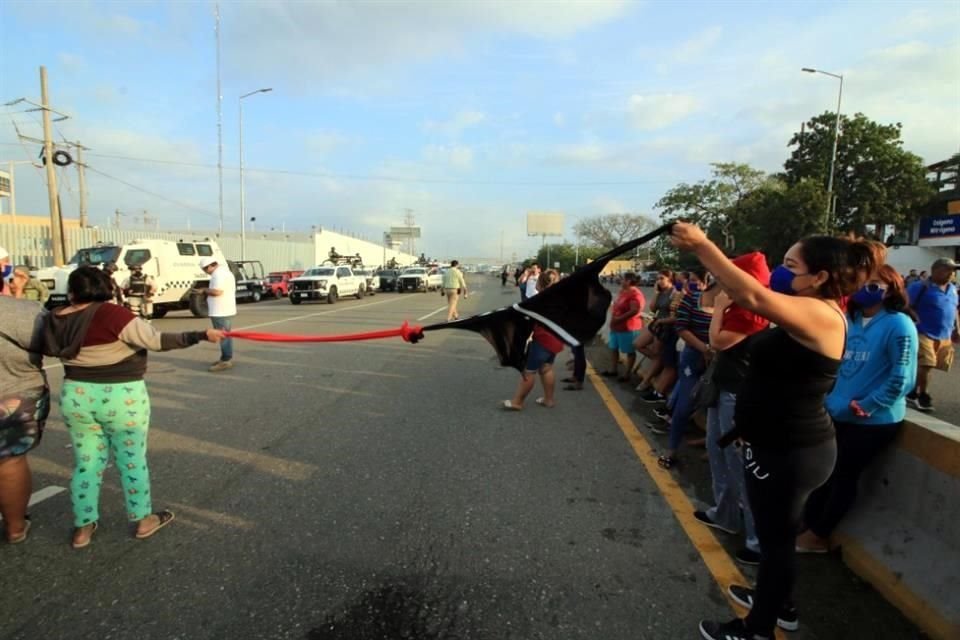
(690, 317)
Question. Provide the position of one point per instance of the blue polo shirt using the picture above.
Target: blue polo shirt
(936, 308)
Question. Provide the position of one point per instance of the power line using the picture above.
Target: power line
(154, 194)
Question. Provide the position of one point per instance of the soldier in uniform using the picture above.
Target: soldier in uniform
(22, 285)
(139, 289)
(110, 269)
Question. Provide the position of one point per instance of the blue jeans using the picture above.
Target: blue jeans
(689, 370)
(226, 345)
(726, 467)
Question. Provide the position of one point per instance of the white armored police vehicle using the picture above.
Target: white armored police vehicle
(173, 266)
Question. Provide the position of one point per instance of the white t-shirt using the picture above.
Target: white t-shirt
(223, 306)
(531, 285)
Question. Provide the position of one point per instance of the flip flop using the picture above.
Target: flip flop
(506, 405)
(543, 403)
(166, 517)
(86, 543)
(23, 536)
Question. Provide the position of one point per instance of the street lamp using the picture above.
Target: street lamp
(833, 158)
(243, 202)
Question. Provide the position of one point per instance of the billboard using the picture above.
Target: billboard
(940, 231)
(544, 224)
(404, 233)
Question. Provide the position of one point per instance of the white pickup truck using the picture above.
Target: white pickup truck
(326, 283)
(420, 279)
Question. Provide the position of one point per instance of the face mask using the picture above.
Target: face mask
(678, 286)
(781, 280)
(693, 287)
(7, 270)
(869, 296)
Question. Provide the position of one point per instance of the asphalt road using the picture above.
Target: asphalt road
(374, 491)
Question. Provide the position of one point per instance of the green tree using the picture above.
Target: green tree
(877, 181)
(611, 230)
(717, 204)
(566, 254)
(778, 214)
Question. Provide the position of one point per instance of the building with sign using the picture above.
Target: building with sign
(941, 226)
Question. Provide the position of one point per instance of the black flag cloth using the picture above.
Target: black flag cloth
(573, 309)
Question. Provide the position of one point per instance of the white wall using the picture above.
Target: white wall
(906, 257)
(373, 254)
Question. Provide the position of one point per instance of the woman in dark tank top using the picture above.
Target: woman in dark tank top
(788, 438)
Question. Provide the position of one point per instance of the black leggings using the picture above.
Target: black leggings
(778, 484)
(857, 446)
(579, 364)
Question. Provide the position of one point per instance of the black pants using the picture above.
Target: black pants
(857, 446)
(778, 484)
(579, 364)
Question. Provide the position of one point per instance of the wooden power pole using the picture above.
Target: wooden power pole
(82, 180)
(56, 227)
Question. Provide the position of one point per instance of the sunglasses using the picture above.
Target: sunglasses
(874, 287)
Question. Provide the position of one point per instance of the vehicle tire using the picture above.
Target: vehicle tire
(198, 305)
(159, 312)
(332, 296)
(360, 292)
(256, 296)
(295, 300)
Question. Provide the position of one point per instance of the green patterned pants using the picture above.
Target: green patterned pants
(102, 418)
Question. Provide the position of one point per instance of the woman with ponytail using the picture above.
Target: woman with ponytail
(788, 437)
(868, 403)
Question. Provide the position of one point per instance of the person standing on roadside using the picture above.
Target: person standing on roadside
(934, 307)
(626, 322)
(6, 270)
(541, 352)
(453, 285)
(222, 304)
(528, 282)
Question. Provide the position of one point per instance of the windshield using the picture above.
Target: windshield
(416, 272)
(95, 255)
(320, 271)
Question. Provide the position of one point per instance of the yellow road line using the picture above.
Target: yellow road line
(719, 563)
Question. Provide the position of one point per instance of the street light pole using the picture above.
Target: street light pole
(831, 200)
(243, 199)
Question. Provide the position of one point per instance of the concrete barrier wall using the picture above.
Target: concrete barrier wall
(903, 535)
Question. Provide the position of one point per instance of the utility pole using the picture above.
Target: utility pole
(55, 222)
(219, 118)
(116, 218)
(408, 220)
(81, 178)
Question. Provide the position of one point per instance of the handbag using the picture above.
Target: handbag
(706, 392)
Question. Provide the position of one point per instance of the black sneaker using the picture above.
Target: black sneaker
(747, 556)
(662, 413)
(787, 618)
(703, 518)
(652, 397)
(924, 403)
(660, 428)
(734, 630)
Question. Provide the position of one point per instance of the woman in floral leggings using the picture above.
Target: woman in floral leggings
(104, 399)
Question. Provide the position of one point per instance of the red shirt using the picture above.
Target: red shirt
(738, 319)
(622, 305)
(543, 337)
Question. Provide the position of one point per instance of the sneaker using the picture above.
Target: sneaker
(703, 518)
(652, 397)
(924, 403)
(662, 413)
(658, 428)
(747, 556)
(222, 365)
(787, 618)
(734, 630)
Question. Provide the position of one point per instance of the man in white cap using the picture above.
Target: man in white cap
(6, 270)
(222, 305)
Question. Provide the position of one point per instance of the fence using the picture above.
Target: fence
(278, 251)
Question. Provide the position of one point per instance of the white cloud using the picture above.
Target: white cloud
(323, 143)
(456, 156)
(559, 119)
(651, 112)
(457, 124)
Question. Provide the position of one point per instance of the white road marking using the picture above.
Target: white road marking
(44, 494)
(319, 313)
(432, 313)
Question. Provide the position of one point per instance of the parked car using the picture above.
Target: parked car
(278, 283)
(649, 278)
(420, 279)
(388, 279)
(371, 277)
(326, 283)
(250, 279)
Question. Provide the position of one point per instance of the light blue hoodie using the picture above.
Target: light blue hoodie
(879, 369)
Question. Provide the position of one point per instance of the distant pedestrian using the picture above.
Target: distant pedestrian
(911, 278)
(222, 305)
(789, 441)
(6, 270)
(541, 352)
(626, 322)
(528, 282)
(516, 276)
(454, 285)
(934, 307)
(104, 400)
(503, 277)
(24, 405)
(868, 403)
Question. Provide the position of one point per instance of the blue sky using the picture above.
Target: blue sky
(469, 113)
